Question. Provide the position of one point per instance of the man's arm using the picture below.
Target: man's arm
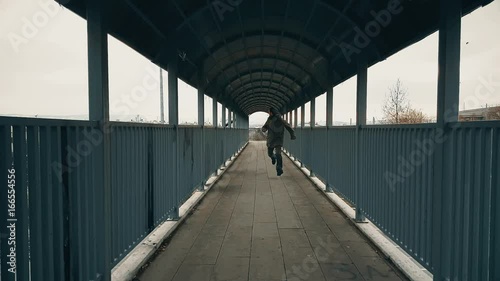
(289, 129)
(265, 127)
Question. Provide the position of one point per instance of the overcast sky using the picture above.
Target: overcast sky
(43, 70)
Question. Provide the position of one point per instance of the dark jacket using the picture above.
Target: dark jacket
(275, 127)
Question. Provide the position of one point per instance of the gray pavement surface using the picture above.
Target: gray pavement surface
(254, 225)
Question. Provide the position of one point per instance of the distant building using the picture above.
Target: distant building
(480, 114)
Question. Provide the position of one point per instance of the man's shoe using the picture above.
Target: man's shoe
(279, 172)
(273, 160)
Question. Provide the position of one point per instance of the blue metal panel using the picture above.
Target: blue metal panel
(35, 198)
(47, 214)
(208, 152)
(56, 166)
(397, 182)
(470, 170)
(164, 200)
(76, 232)
(5, 165)
(317, 151)
(393, 184)
(342, 165)
(131, 182)
(495, 208)
(59, 211)
(390, 207)
(186, 163)
(20, 221)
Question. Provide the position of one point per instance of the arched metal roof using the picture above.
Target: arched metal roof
(254, 54)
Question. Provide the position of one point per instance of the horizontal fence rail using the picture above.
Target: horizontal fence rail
(50, 205)
(398, 177)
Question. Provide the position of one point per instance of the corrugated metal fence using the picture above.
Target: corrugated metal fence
(47, 168)
(455, 232)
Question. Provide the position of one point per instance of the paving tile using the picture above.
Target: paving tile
(335, 221)
(305, 270)
(375, 269)
(231, 269)
(300, 200)
(348, 234)
(266, 247)
(287, 218)
(264, 208)
(189, 272)
(213, 230)
(296, 255)
(164, 267)
(266, 268)
(205, 250)
(310, 218)
(327, 248)
(295, 238)
(237, 242)
(242, 219)
(265, 230)
(359, 249)
(341, 271)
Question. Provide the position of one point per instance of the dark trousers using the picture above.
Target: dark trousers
(275, 152)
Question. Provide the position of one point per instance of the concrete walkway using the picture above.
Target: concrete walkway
(256, 226)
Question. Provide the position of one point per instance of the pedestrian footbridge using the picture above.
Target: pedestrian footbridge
(87, 200)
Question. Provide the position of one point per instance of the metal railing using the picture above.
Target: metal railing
(57, 210)
(470, 220)
(396, 179)
(400, 168)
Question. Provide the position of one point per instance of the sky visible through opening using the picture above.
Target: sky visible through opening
(43, 55)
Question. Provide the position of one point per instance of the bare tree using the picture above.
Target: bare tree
(397, 108)
(396, 103)
(413, 116)
(493, 113)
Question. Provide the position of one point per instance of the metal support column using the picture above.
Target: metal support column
(302, 121)
(329, 123)
(162, 106)
(234, 118)
(447, 111)
(215, 121)
(295, 118)
(222, 139)
(173, 117)
(329, 107)
(313, 113)
(201, 123)
(361, 99)
(98, 79)
(229, 126)
(214, 112)
(313, 124)
(224, 113)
